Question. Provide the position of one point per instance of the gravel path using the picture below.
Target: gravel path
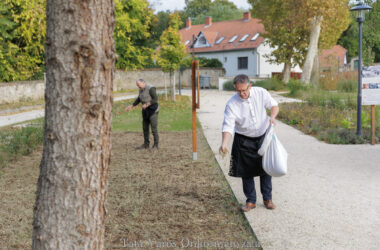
(330, 198)
(6, 120)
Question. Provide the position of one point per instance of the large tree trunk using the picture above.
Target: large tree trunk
(315, 72)
(80, 55)
(286, 72)
(312, 51)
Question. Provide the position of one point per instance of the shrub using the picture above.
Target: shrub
(295, 87)
(212, 62)
(21, 141)
(271, 84)
(229, 85)
(349, 86)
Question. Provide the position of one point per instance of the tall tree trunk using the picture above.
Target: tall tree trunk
(315, 72)
(80, 56)
(312, 51)
(286, 72)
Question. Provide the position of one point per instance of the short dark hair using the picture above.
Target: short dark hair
(141, 80)
(241, 79)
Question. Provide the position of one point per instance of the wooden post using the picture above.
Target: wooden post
(373, 124)
(194, 78)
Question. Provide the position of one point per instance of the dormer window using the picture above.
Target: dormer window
(255, 37)
(201, 41)
(244, 37)
(233, 39)
(220, 40)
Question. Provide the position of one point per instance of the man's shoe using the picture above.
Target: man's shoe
(269, 204)
(144, 146)
(155, 147)
(248, 206)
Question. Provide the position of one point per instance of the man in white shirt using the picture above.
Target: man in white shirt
(245, 117)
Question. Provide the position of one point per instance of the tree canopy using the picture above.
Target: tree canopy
(288, 29)
(220, 10)
(22, 39)
(172, 50)
(134, 22)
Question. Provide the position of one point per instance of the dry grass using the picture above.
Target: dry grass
(163, 197)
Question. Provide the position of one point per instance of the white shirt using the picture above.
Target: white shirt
(248, 116)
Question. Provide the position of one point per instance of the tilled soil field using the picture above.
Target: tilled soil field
(156, 199)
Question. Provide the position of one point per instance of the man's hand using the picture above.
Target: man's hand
(223, 150)
(128, 108)
(272, 121)
(144, 106)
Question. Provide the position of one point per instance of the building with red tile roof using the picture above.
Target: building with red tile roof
(333, 59)
(238, 44)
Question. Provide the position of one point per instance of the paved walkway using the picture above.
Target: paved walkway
(330, 198)
(38, 112)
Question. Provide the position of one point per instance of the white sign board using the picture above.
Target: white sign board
(371, 85)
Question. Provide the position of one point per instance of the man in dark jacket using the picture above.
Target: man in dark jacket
(245, 117)
(148, 98)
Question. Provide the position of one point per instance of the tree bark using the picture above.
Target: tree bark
(80, 56)
(312, 51)
(286, 72)
(315, 71)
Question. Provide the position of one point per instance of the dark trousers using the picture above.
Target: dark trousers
(153, 121)
(265, 188)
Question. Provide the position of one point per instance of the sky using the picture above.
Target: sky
(159, 5)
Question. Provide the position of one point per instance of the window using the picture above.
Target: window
(220, 40)
(255, 37)
(202, 40)
(243, 62)
(243, 38)
(187, 42)
(233, 39)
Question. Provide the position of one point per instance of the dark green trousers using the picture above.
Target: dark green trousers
(153, 121)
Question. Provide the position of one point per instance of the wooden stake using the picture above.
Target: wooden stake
(195, 66)
(373, 124)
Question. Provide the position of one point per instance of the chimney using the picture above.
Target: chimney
(208, 21)
(188, 23)
(247, 16)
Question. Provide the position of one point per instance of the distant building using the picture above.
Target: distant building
(238, 44)
(334, 59)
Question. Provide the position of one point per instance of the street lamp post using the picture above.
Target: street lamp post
(360, 8)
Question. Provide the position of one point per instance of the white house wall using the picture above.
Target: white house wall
(230, 61)
(266, 68)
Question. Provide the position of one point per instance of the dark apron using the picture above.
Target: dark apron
(245, 161)
(149, 111)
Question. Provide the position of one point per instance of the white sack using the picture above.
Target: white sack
(275, 158)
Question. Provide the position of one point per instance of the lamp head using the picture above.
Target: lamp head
(360, 8)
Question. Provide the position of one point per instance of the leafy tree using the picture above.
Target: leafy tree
(296, 28)
(172, 50)
(220, 10)
(331, 18)
(196, 7)
(134, 20)
(162, 24)
(285, 33)
(22, 39)
(371, 35)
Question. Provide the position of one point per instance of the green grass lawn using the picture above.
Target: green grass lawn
(173, 116)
